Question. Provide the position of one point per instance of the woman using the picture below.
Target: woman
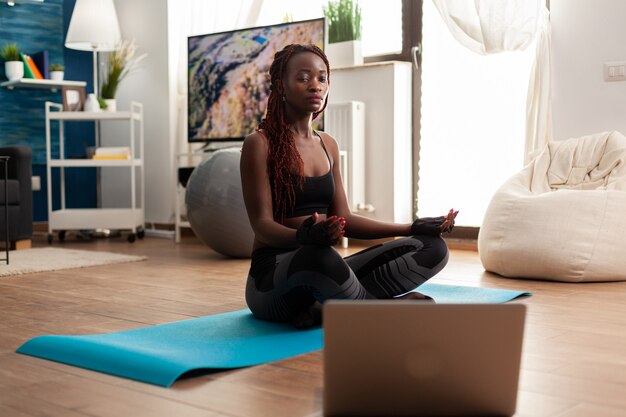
(298, 210)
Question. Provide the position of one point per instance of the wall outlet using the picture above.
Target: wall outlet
(36, 183)
(615, 71)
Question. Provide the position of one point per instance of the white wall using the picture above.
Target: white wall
(585, 34)
(145, 21)
(385, 89)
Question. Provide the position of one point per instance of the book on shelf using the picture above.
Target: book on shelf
(112, 152)
(42, 62)
(33, 67)
(30, 69)
(27, 71)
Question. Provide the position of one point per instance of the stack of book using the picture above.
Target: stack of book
(112, 152)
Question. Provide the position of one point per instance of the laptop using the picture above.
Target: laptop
(402, 358)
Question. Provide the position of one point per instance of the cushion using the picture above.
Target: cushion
(562, 216)
(13, 191)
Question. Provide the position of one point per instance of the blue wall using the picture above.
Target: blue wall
(36, 27)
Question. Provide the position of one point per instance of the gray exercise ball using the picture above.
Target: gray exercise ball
(215, 205)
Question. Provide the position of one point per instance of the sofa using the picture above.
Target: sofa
(20, 196)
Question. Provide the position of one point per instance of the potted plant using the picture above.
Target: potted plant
(13, 65)
(57, 72)
(121, 62)
(344, 32)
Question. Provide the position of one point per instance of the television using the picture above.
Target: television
(228, 77)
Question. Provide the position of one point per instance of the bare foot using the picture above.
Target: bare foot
(415, 296)
(308, 318)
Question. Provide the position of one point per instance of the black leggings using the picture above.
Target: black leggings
(282, 284)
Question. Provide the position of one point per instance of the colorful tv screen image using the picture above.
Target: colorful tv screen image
(228, 79)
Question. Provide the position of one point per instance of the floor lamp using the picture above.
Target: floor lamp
(94, 27)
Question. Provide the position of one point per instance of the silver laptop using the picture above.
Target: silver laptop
(402, 358)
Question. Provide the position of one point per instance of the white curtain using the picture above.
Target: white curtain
(493, 26)
(196, 17)
(539, 101)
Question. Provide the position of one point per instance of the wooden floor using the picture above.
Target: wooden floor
(574, 361)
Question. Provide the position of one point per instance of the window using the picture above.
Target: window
(381, 27)
(473, 110)
(381, 23)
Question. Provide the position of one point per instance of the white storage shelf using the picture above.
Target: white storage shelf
(92, 116)
(131, 218)
(46, 84)
(78, 163)
(122, 219)
(184, 160)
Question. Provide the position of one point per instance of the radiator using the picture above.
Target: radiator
(346, 123)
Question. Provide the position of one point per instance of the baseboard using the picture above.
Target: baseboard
(462, 244)
(22, 244)
(43, 226)
(18, 244)
(464, 233)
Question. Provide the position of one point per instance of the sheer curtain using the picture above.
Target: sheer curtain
(485, 100)
(493, 26)
(475, 102)
(195, 17)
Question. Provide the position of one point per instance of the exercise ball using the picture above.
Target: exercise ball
(215, 207)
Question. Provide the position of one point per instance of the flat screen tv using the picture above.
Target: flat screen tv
(228, 77)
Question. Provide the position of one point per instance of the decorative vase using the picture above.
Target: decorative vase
(57, 75)
(91, 104)
(14, 70)
(345, 54)
(111, 104)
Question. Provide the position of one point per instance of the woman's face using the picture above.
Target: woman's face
(306, 82)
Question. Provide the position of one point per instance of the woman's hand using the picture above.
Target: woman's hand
(434, 226)
(448, 224)
(321, 233)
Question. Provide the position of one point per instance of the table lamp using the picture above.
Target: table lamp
(93, 27)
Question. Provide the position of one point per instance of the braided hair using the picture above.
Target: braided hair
(283, 160)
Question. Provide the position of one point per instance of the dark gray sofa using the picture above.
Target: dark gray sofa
(20, 195)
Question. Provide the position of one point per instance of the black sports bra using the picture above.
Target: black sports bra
(316, 194)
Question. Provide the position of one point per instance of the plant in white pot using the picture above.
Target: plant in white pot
(120, 63)
(344, 32)
(57, 72)
(13, 65)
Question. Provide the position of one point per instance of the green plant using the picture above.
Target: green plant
(10, 52)
(102, 103)
(56, 67)
(121, 62)
(344, 20)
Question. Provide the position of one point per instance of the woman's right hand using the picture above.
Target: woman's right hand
(320, 233)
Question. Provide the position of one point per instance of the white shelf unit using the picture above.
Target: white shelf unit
(53, 85)
(189, 159)
(131, 218)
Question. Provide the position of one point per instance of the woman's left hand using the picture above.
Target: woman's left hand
(448, 223)
(434, 226)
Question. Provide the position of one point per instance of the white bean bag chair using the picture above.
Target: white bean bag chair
(562, 217)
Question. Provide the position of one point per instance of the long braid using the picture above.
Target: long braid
(283, 160)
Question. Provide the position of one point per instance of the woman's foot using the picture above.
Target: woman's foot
(415, 296)
(308, 318)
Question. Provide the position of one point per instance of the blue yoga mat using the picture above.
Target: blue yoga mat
(161, 354)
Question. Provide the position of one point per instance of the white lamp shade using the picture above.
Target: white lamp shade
(93, 26)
